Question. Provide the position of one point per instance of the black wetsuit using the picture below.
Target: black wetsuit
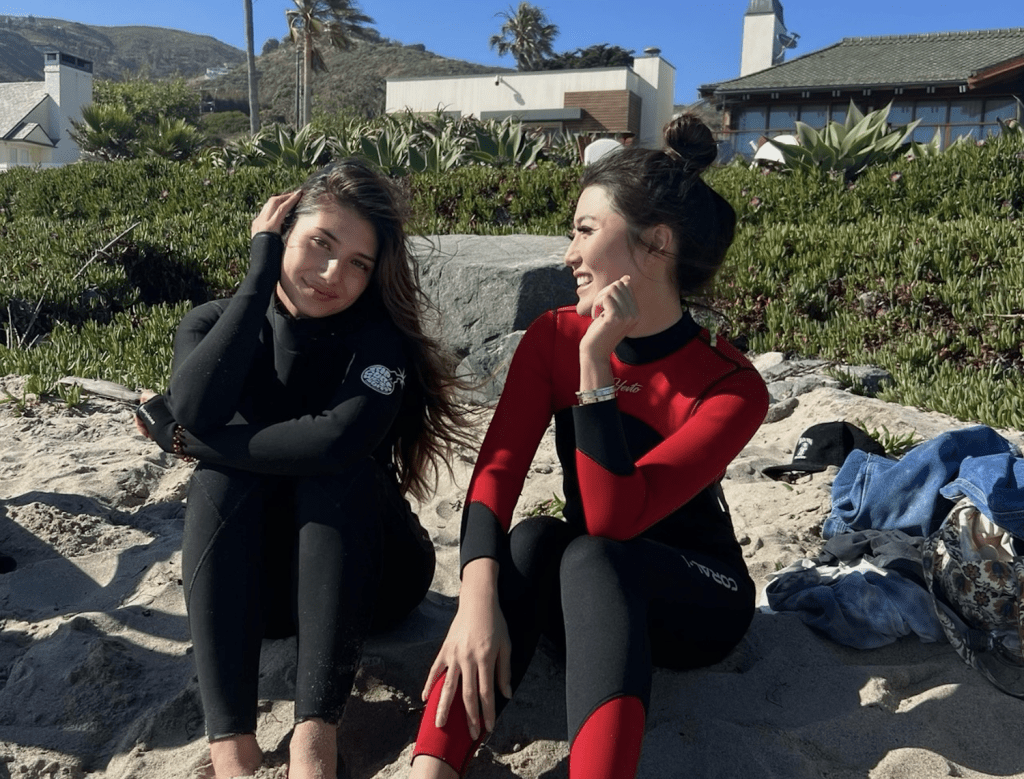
(294, 523)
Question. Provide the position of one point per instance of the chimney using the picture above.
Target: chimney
(765, 38)
(68, 81)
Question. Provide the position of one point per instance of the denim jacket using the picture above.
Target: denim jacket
(995, 485)
(908, 494)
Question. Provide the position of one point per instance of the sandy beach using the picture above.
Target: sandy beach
(96, 678)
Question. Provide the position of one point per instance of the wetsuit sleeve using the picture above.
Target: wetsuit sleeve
(213, 348)
(519, 422)
(622, 499)
(353, 425)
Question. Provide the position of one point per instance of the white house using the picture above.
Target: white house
(35, 116)
(622, 102)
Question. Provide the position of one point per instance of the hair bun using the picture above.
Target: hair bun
(690, 142)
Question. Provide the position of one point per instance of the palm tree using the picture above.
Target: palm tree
(337, 21)
(250, 58)
(526, 34)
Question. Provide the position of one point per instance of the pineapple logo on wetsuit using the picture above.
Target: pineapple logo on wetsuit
(382, 379)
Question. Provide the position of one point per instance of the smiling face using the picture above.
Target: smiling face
(328, 260)
(599, 253)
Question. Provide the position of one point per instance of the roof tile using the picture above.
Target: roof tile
(892, 60)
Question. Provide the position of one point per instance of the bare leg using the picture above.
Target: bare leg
(313, 753)
(235, 756)
(429, 767)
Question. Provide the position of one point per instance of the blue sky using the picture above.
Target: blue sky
(701, 39)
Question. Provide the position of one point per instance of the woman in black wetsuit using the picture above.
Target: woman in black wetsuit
(649, 409)
(312, 401)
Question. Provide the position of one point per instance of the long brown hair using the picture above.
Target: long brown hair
(439, 424)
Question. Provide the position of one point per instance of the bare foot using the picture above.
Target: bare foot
(313, 752)
(235, 756)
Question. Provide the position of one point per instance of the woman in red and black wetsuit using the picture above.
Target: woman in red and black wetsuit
(649, 410)
(313, 402)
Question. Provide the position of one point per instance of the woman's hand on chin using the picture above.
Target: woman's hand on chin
(274, 212)
(615, 313)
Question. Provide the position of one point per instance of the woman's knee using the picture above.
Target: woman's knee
(588, 556)
(537, 537)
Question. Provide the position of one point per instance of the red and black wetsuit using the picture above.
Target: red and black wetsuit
(294, 522)
(646, 567)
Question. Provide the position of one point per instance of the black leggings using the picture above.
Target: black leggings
(327, 558)
(617, 608)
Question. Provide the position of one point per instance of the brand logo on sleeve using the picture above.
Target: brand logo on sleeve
(383, 380)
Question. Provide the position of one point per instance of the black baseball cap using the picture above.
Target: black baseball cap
(825, 444)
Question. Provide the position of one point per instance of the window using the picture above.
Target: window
(931, 113)
(753, 119)
(965, 112)
(814, 115)
(1002, 108)
(783, 118)
(901, 114)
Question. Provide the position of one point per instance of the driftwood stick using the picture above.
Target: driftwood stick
(96, 255)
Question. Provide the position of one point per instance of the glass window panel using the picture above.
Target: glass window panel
(814, 115)
(839, 112)
(931, 112)
(901, 114)
(753, 119)
(783, 117)
(924, 134)
(726, 148)
(1001, 108)
(743, 143)
(965, 112)
(967, 131)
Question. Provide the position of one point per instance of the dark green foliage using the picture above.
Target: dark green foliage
(917, 267)
(600, 55)
(112, 318)
(146, 100)
(222, 125)
(494, 201)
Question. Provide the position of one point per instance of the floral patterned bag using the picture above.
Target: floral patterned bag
(977, 580)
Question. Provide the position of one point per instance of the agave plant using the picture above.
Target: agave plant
(850, 146)
(276, 145)
(506, 143)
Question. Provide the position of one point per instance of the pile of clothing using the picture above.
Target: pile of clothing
(929, 544)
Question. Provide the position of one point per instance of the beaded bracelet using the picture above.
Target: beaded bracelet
(599, 395)
(178, 444)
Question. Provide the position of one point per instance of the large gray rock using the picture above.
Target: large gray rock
(488, 287)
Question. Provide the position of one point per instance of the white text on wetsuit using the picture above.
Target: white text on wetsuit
(726, 581)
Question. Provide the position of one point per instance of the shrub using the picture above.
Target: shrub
(917, 267)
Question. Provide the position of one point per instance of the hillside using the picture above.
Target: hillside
(355, 79)
(153, 52)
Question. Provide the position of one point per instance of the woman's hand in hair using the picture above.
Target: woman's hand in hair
(477, 651)
(271, 218)
(614, 315)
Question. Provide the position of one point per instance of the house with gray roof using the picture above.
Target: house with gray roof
(35, 116)
(956, 83)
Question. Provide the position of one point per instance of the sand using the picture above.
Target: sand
(97, 678)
